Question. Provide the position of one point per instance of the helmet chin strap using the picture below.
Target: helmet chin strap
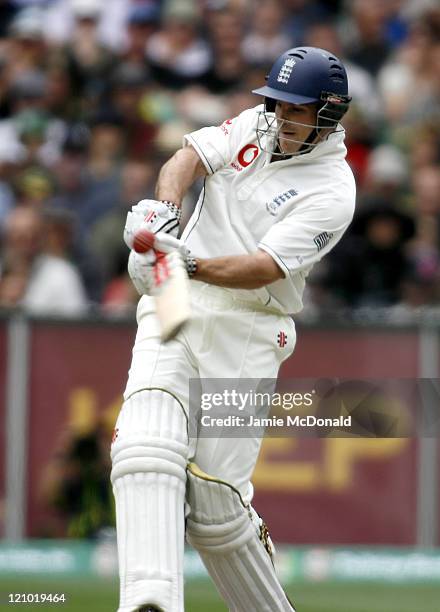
(313, 136)
(278, 154)
(310, 140)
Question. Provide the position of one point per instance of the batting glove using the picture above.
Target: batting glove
(140, 266)
(150, 271)
(154, 215)
(146, 270)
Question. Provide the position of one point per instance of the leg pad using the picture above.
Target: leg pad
(149, 478)
(226, 533)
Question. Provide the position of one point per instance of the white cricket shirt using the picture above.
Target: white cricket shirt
(295, 209)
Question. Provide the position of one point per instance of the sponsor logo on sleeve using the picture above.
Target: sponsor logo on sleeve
(225, 126)
(274, 206)
(322, 240)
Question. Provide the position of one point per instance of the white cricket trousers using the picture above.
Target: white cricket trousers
(226, 338)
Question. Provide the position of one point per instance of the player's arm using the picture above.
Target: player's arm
(178, 174)
(239, 271)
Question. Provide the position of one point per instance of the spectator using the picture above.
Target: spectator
(301, 14)
(34, 187)
(142, 22)
(20, 247)
(426, 189)
(106, 243)
(386, 175)
(227, 66)
(414, 67)
(55, 286)
(424, 144)
(90, 187)
(369, 267)
(129, 92)
(61, 101)
(267, 39)
(366, 41)
(29, 133)
(88, 60)
(425, 249)
(177, 54)
(360, 142)
(27, 48)
(35, 273)
(74, 194)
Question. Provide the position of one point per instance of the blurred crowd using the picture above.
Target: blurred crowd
(96, 94)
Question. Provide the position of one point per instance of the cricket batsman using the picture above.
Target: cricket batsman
(277, 196)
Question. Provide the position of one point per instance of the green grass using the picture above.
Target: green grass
(101, 596)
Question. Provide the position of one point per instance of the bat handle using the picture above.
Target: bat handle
(166, 243)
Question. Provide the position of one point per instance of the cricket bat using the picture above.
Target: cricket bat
(171, 284)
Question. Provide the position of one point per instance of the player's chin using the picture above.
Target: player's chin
(288, 146)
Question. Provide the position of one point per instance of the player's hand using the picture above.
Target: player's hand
(139, 268)
(145, 241)
(150, 271)
(147, 270)
(154, 215)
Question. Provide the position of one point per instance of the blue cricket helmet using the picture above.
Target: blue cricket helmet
(305, 75)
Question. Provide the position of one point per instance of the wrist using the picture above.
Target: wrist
(191, 264)
(176, 210)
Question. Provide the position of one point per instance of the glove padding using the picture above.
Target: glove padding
(146, 269)
(152, 215)
(140, 267)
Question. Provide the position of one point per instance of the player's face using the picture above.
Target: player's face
(295, 123)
